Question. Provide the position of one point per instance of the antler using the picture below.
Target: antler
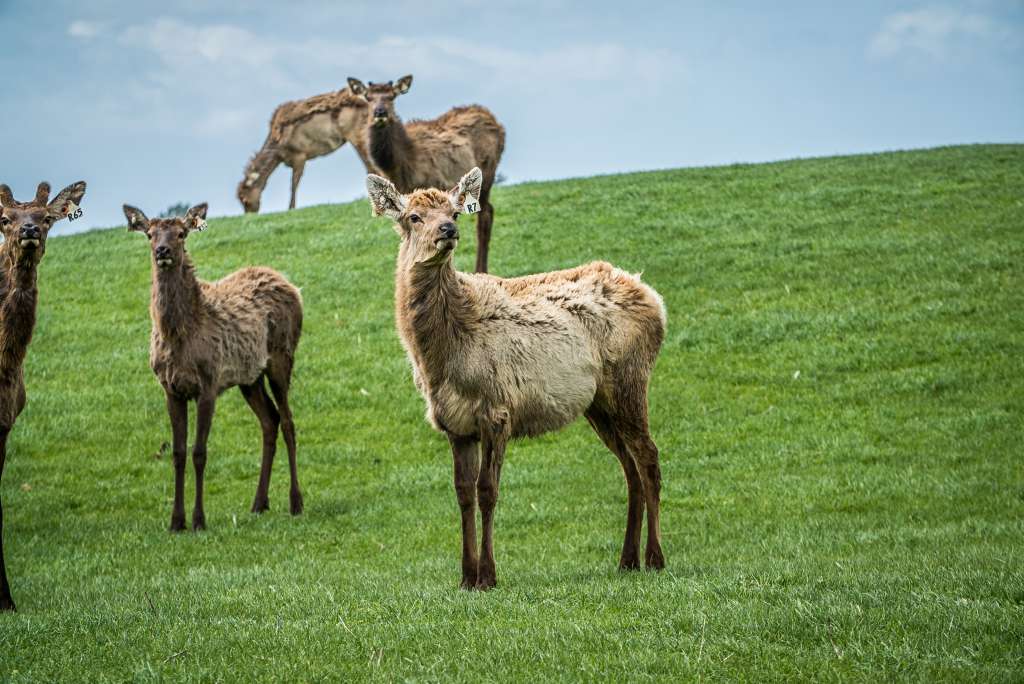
(43, 193)
(6, 198)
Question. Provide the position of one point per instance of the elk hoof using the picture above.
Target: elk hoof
(655, 560)
(260, 505)
(198, 523)
(177, 523)
(7, 604)
(629, 564)
(486, 583)
(296, 503)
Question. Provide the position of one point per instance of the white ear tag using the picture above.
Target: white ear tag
(72, 211)
(200, 223)
(470, 206)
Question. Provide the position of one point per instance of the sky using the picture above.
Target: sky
(156, 103)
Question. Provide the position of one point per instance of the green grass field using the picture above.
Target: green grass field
(838, 405)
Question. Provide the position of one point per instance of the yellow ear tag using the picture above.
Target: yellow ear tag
(72, 211)
(470, 206)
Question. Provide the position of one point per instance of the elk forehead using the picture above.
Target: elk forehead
(426, 200)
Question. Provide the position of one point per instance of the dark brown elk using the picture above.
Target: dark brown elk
(25, 227)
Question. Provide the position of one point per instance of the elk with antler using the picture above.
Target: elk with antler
(25, 227)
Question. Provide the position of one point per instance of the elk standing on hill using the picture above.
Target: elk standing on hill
(435, 153)
(209, 337)
(498, 359)
(25, 226)
(300, 131)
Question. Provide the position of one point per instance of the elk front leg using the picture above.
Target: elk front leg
(297, 170)
(492, 455)
(466, 458)
(204, 420)
(177, 410)
(6, 601)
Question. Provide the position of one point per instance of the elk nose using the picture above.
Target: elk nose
(449, 231)
(30, 232)
(162, 252)
(380, 113)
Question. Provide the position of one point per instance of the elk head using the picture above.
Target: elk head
(380, 97)
(26, 225)
(249, 192)
(426, 219)
(167, 235)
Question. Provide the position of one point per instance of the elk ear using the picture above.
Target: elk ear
(137, 221)
(384, 197)
(6, 196)
(465, 196)
(356, 87)
(403, 85)
(66, 201)
(195, 218)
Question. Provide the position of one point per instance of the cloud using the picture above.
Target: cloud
(937, 33)
(84, 30)
(179, 44)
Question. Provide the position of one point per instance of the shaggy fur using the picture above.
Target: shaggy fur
(302, 130)
(435, 153)
(25, 227)
(209, 337)
(497, 359)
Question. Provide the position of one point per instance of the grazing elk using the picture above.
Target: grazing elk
(300, 131)
(25, 226)
(209, 337)
(497, 359)
(435, 153)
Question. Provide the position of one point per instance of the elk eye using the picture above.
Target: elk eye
(181, 235)
(455, 216)
(415, 219)
(5, 221)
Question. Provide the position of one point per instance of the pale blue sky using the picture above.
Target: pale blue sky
(155, 103)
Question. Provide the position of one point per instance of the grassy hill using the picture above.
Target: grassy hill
(838, 405)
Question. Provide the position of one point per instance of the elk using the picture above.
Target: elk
(209, 337)
(435, 153)
(25, 226)
(302, 130)
(498, 359)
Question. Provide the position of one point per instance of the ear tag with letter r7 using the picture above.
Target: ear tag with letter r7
(72, 211)
(470, 206)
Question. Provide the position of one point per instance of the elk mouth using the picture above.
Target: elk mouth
(29, 243)
(446, 244)
(165, 263)
(380, 121)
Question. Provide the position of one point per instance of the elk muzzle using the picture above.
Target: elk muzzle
(162, 256)
(30, 235)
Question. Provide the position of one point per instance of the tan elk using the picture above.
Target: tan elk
(302, 130)
(435, 153)
(209, 337)
(497, 359)
(25, 227)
